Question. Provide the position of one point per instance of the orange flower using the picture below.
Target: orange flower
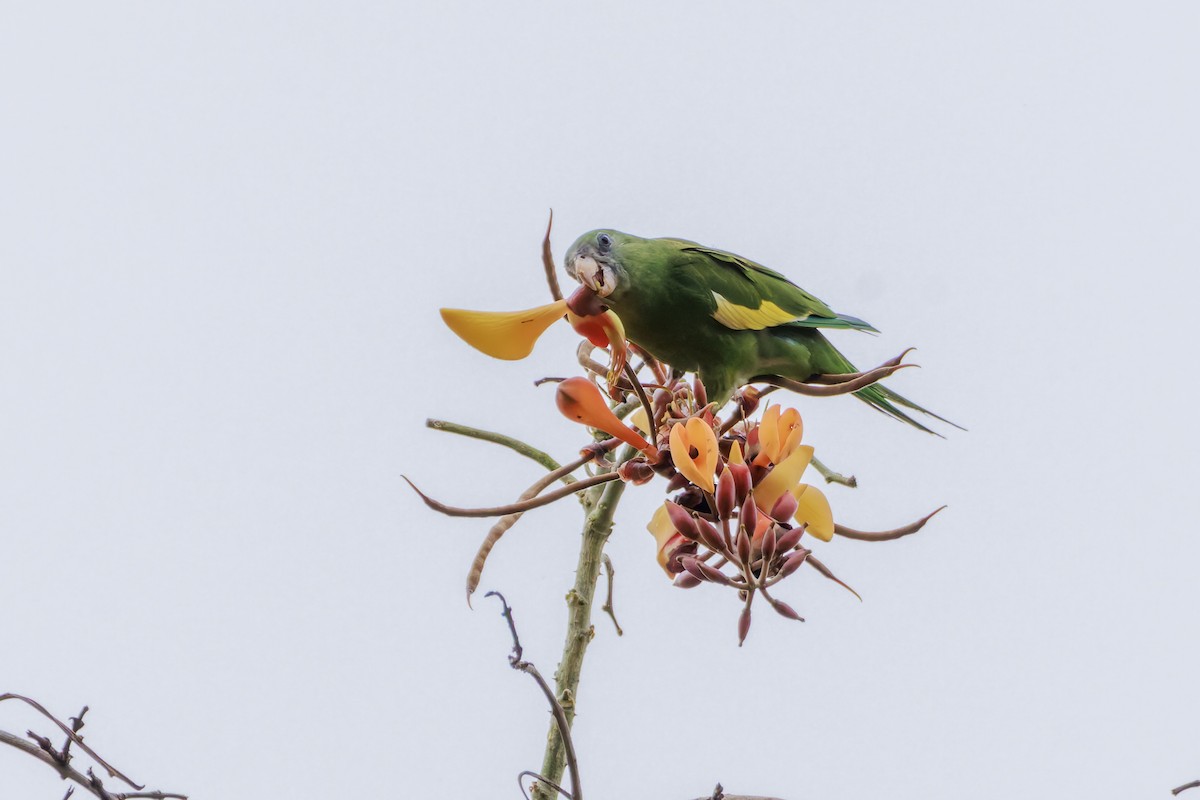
(579, 400)
(694, 449)
(778, 435)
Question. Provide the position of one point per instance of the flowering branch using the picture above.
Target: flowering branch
(58, 759)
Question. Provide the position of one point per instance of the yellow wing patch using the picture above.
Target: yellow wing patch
(740, 318)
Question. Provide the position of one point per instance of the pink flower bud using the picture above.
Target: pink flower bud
(686, 580)
(727, 499)
(683, 521)
(785, 610)
(793, 562)
(784, 507)
(743, 625)
(741, 481)
(709, 537)
(787, 539)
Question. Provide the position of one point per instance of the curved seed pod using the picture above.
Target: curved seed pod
(727, 500)
(683, 521)
(686, 580)
(793, 562)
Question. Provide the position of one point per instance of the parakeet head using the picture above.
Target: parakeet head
(595, 261)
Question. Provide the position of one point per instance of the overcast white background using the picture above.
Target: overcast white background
(225, 231)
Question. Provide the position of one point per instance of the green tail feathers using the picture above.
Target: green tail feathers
(877, 396)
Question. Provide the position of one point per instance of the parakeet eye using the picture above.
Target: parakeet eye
(604, 242)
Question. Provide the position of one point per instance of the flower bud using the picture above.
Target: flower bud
(686, 580)
(636, 471)
(743, 625)
(786, 539)
(784, 507)
(793, 562)
(713, 574)
(683, 521)
(708, 535)
(699, 393)
(727, 499)
(768, 545)
(741, 481)
(785, 610)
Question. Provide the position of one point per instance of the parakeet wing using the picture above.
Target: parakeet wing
(749, 296)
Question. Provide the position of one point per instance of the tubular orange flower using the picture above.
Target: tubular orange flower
(814, 509)
(579, 400)
(509, 335)
(695, 437)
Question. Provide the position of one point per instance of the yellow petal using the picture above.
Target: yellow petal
(698, 436)
(638, 420)
(782, 478)
(768, 437)
(663, 531)
(509, 335)
(814, 509)
(735, 454)
(791, 429)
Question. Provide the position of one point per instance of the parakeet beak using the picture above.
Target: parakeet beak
(594, 275)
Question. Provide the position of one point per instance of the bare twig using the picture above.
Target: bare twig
(548, 261)
(855, 382)
(560, 716)
(539, 779)
(495, 438)
(833, 477)
(883, 536)
(508, 520)
(512, 508)
(1185, 787)
(59, 760)
(608, 601)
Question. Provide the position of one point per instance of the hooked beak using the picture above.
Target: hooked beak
(594, 275)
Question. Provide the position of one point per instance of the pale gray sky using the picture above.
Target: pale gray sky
(225, 229)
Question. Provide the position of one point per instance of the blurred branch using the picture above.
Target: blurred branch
(59, 760)
(1185, 787)
(548, 261)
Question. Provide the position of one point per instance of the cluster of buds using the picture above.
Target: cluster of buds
(739, 510)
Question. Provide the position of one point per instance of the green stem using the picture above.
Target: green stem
(497, 438)
(601, 504)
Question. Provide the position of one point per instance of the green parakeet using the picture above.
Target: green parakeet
(728, 319)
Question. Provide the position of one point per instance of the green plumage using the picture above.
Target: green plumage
(722, 316)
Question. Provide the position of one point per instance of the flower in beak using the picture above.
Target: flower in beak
(508, 335)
